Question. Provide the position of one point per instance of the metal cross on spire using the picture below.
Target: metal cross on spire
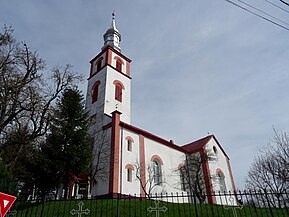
(113, 25)
(112, 37)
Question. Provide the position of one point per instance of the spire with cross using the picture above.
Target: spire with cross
(112, 36)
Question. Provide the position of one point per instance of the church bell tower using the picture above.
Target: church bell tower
(108, 95)
(109, 82)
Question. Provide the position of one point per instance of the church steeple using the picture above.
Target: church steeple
(109, 83)
(112, 37)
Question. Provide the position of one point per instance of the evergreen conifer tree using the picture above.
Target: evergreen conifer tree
(8, 183)
(68, 146)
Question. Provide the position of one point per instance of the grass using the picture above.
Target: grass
(137, 208)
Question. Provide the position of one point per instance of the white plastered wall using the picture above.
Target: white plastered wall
(221, 163)
(129, 157)
(102, 185)
(94, 64)
(96, 108)
(96, 112)
(171, 158)
(111, 104)
(113, 63)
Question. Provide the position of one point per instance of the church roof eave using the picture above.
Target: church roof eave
(116, 51)
(152, 137)
(201, 143)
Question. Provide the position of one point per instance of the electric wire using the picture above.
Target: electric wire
(258, 15)
(286, 3)
(251, 6)
(277, 6)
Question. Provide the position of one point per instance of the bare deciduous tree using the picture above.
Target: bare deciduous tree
(269, 170)
(149, 182)
(27, 93)
(192, 174)
(101, 156)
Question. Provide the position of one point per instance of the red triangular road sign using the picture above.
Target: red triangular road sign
(6, 201)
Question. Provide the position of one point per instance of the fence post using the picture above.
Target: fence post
(42, 208)
(268, 201)
(286, 201)
(195, 202)
(118, 211)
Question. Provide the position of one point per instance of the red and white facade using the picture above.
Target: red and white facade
(131, 149)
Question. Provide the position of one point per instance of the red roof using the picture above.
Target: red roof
(189, 148)
(196, 145)
(152, 136)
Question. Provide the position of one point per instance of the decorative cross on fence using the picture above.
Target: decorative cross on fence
(157, 208)
(233, 207)
(11, 213)
(80, 211)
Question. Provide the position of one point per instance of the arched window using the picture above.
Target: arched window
(129, 168)
(222, 182)
(118, 90)
(118, 64)
(129, 143)
(183, 177)
(215, 149)
(129, 175)
(157, 172)
(94, 91)
(157, 169)
(98, 64)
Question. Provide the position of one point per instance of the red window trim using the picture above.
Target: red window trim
(154, 157)
(130, 142)
(118, 63)
(129, 168)
(98, 64)
(118, 90)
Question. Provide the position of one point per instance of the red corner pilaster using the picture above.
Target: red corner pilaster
(207, 177)
(231, 175)
(108, 56)
(128, 68)
(114, 153)
(142, 165)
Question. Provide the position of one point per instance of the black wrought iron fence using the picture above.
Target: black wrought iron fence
(237, 204)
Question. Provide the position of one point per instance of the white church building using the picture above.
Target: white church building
(128, 159)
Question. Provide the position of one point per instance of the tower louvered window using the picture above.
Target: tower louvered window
(99, 64)
(118, 92)
(118, 65)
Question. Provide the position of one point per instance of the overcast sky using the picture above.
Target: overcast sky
(199, 67)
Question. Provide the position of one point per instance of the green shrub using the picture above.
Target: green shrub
(8, 183)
